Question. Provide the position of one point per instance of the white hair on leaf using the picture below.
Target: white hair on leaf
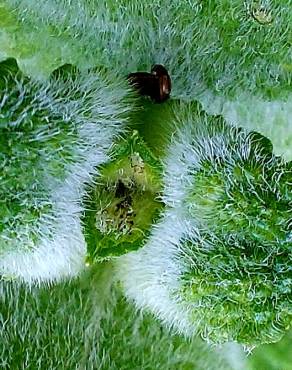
(93, 109)
(131, 35)
(271, 118)
(198, 137)
(220, 183)
(150, 276)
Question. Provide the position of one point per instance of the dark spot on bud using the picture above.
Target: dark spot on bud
(121, 190)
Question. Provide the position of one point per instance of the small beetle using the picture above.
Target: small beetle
(156, 84)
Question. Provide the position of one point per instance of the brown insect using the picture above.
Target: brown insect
(156, 84)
